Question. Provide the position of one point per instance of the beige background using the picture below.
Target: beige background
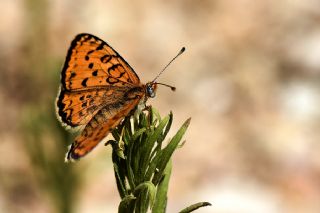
(249, 79)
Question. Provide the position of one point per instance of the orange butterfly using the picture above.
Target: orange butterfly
(98, 90)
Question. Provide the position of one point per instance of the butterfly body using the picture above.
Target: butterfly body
(98, 89)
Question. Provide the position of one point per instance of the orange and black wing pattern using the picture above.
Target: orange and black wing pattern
(91, 65)
(101, 125)
(95, 81)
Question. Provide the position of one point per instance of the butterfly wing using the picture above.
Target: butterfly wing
(78, 108)
(102, 124)
(91, 63)
(91, 72)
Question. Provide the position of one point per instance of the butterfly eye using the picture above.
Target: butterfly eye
(150, 91)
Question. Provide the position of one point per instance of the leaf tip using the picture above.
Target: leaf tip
(187, 122)
(207, 204)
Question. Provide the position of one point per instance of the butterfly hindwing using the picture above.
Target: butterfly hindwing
(78, 108)
(99, 127)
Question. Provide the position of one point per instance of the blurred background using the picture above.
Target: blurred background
(250, 80)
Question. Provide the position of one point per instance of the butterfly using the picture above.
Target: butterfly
(98, 90)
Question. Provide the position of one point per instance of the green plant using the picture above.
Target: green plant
(142, 161)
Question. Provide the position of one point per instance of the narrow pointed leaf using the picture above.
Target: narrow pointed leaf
(168, 150)
(195, 207)
(162, 190)
(147, 148)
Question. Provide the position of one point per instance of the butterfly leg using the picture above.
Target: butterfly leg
(147, 108)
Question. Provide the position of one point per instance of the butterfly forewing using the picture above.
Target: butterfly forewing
(91, 62)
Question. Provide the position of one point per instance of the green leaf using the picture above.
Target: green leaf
(120, 181)
(153, 165)
(162, 137)
(147, 147)
(162, 190)
(168, 150)
(195, 207)
(138, 133)
(145, 194)
(168, 126)
(127, 204)
(155, 114)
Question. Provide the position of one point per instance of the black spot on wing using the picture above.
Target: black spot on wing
(106, 58)
(101, 46)
(111, 80)
(113, 68)
(84, 82)
(89, 52)
(73, 74)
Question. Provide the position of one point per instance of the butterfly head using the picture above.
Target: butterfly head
(151, 89)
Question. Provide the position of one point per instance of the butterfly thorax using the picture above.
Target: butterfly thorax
(134, 93)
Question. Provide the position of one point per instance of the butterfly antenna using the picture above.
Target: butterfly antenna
(180, 52)
(167, 85)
